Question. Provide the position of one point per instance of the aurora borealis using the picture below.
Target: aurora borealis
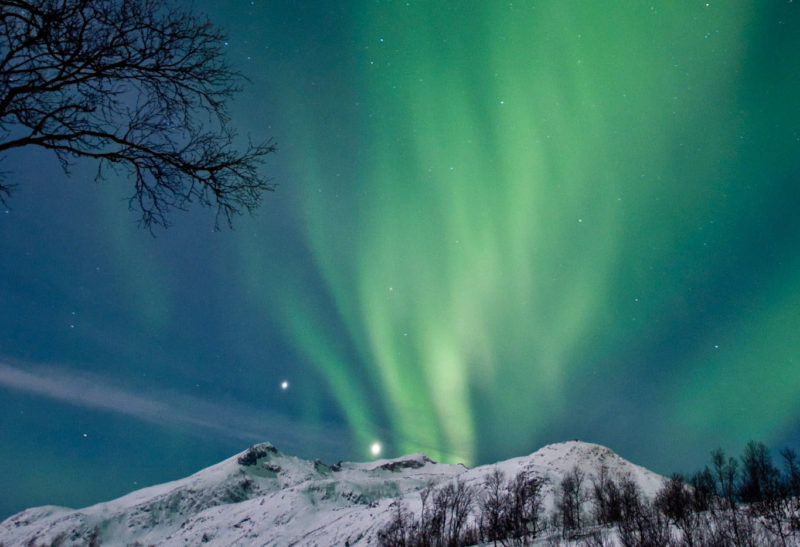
(498, 225)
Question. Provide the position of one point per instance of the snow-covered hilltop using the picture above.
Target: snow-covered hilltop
(265, 497)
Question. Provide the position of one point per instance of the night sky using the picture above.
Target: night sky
(497, 225)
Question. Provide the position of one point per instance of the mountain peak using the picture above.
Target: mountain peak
(265, 495)
(410, 461)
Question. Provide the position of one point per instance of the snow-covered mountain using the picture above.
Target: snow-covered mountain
(265, 497)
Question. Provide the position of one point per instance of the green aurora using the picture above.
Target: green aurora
(546, 198)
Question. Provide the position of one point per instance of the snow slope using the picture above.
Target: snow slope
(265, 497)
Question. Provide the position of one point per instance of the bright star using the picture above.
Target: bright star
(284, 385)
(375, 448)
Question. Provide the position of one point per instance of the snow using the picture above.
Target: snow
(265, 497)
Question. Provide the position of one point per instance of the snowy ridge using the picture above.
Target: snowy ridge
(265, 497)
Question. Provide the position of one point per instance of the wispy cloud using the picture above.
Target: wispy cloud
(172, 409)
(69, 388)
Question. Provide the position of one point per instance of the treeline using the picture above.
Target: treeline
(744, 502)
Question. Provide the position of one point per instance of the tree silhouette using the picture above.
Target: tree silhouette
(139, 85)
(569, 501)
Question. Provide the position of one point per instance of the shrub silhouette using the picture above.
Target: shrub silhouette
(741, 503)
(512, 512)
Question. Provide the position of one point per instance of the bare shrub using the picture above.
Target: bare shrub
(569, 503)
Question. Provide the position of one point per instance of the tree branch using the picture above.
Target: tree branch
(136, 85)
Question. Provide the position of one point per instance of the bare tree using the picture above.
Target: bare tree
(452, 505)
(704, 490)
(607, 498)
(494, 508)
(512, 512)
(399, 531)
(569, 502)
(792, 478)
(526, 514)
(726, 511)
(442, 522)
(792, 471)
(675, 501)
(759, 476)
(768, 492)
(139, 85)
(642, 525)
